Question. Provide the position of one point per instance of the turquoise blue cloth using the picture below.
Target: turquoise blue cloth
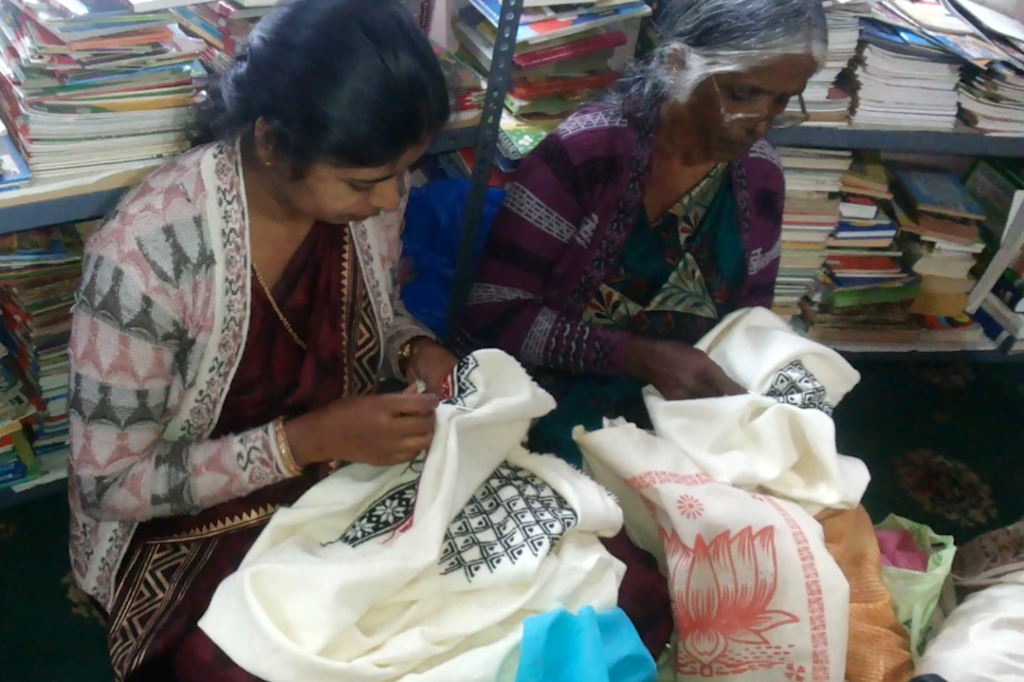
(586, 647)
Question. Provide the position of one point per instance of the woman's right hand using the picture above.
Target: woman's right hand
(678, 371)
(380, 430)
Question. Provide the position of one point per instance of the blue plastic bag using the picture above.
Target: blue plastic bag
(430, 247)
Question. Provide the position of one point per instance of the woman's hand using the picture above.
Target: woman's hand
(431, 363)
(378, 429)
(678, 371)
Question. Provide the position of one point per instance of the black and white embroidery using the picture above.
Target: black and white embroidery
(795, 385)
(387, 514)
(460, 384)
(512, 513)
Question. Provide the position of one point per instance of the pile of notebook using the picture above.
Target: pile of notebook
(39, 273)
(90, 85)
(564, 55)
(224, 27)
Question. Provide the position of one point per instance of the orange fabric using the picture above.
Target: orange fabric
(879, 647)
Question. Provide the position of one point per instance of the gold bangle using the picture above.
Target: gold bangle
(407, 351)
(285, 451)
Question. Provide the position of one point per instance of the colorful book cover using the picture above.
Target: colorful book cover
(934, 191)
(14, 172)
(551, 29)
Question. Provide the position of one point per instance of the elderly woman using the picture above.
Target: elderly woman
(235, 314)
(649, 215)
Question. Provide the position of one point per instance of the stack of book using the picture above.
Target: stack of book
(901, 80)
(874, 293)
(993, 102)
(39, 273)
(17, 461)
(940, 237)
(866, 226)
(828, 105)
(565, 53)
(224, 27)
(919, 59)
(89, 86)
(810, 216)
(466, 90)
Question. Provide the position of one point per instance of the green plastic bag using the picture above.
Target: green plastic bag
(916, 594)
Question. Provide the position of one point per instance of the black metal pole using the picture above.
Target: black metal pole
(486, 144)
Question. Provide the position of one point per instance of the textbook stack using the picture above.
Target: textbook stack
(564, 55)
(39, 273)
(810, 216)
(91, 86)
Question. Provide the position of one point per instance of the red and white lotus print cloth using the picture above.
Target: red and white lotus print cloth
(722, 493)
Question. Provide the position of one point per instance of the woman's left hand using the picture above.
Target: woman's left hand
(431, 363)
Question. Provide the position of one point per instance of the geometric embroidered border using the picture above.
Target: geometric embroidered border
(512, 513)
(795, 385)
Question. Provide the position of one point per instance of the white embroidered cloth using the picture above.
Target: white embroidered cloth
(425, 572)
(723, 494)
(780, 437)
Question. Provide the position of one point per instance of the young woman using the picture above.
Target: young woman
(646, 217)
(235, 315)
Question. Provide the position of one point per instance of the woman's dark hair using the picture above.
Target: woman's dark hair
(354, 83)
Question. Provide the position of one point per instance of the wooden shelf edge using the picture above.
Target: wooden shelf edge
(20, 211)
(955, 142)
(932, 356)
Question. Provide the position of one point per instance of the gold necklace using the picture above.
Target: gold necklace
(270, 297)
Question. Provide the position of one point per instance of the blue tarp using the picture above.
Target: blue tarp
(430, 247)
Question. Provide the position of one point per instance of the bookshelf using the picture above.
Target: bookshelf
(89, 199)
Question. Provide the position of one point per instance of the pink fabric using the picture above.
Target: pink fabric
(900, 550)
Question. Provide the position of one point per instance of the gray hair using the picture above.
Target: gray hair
(695, 39)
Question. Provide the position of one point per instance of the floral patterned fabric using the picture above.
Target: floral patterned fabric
(658, 275)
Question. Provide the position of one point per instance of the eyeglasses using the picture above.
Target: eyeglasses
(787, 119)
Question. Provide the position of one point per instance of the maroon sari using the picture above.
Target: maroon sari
(174, 565)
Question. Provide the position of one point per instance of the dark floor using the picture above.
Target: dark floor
(943, 442)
